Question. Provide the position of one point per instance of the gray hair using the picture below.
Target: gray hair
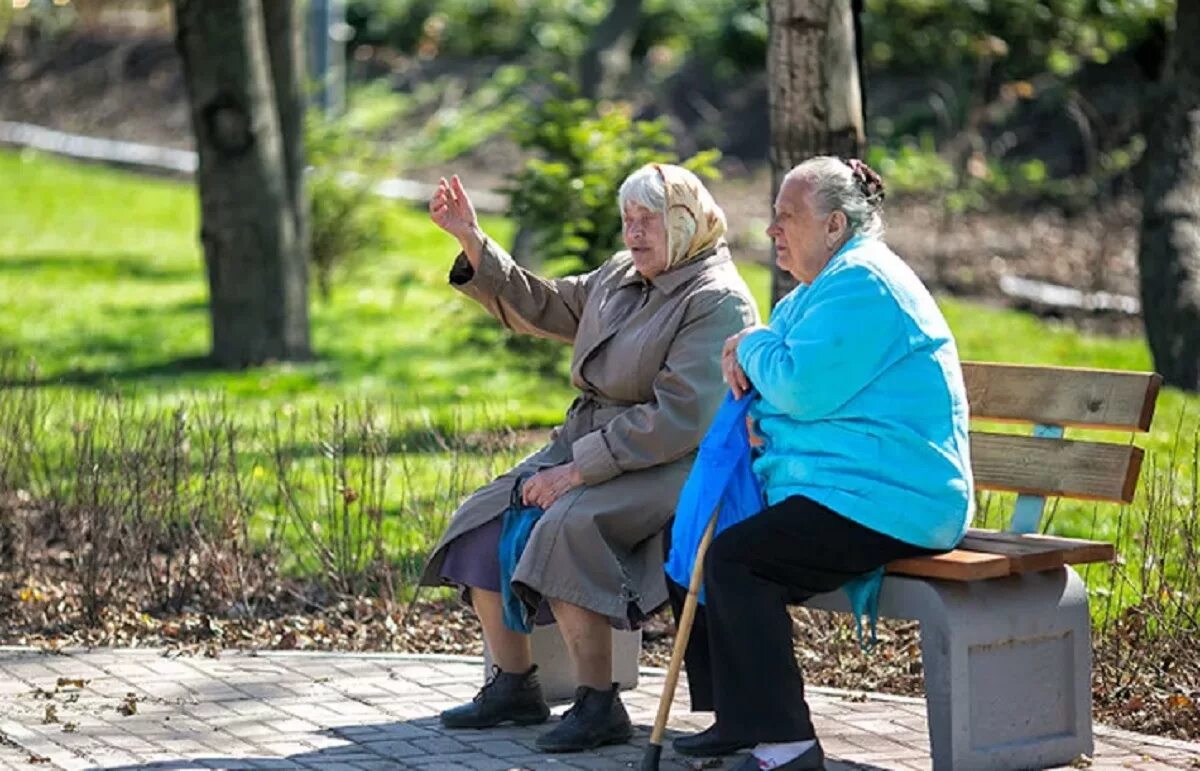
(836, 187)
(644, 187)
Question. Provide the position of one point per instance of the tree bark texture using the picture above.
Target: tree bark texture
(257, 269)
(1169, 253)
(814, 91)
(284, 24)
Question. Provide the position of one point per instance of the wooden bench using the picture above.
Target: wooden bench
(1005, 630)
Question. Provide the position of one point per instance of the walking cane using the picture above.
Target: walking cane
(654, 749)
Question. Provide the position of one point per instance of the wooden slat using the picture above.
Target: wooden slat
(1064, 551)
(1027, 464)
(957, 565)
(1089, 398)
(1024, 556)
(989, 554)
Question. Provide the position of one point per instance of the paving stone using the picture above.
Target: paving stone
(499, 748)
(331, 711)
(393, 750)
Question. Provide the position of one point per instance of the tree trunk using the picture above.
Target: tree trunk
(257, 269)
(284, 24)
(814, 95)
(1169, 254)
(607, 56)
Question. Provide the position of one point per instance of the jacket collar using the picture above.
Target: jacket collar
(854, 242)
(671, 280)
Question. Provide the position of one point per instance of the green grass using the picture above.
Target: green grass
(102, 282)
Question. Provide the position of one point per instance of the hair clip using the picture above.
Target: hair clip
(868, 180)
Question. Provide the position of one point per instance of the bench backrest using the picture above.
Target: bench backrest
(1045, 464)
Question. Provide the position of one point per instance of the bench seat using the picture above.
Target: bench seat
(995, 554)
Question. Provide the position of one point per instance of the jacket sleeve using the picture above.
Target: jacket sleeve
(521, 300)
(852, 332)
(687, 392)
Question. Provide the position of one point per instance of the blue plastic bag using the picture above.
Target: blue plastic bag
(515, 527)
(721, 475)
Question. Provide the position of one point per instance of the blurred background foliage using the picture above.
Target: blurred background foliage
(972, 104)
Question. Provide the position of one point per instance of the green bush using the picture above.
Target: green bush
(949, 36)
(554, 33)
(461, 126)
(566, 196)
(1028, 37)
(472, 28)
(346, 216)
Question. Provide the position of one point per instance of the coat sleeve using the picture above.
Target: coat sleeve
(522, 301)
(851, 333)
(687, 392)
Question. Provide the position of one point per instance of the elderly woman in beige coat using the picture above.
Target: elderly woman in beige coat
(647, 328)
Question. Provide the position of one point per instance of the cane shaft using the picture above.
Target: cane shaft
(683, 634)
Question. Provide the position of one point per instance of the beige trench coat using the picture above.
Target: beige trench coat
(647, 363)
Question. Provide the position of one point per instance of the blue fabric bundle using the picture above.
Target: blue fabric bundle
(515, 527)
(722, 475)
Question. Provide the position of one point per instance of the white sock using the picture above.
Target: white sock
(774, 755)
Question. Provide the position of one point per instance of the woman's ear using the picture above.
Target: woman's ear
(835, 228)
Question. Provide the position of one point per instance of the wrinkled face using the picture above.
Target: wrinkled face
(645, 234)
(804, 238)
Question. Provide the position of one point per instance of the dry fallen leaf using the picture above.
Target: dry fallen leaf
(1179, 701)
(129, 706)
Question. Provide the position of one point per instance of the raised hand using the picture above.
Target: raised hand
(451, 210)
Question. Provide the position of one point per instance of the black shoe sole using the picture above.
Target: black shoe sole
(711, 750)
(622, 738)
(519, 721)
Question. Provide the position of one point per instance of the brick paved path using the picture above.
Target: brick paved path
(138, 709)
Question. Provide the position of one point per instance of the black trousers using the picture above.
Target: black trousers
(740, 659)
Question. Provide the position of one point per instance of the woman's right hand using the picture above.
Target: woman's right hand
(731, 369)
(451, 210)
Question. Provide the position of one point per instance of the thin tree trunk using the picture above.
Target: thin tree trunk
(815, 96)
(1169, 254)
(257, 272)
(284, 24)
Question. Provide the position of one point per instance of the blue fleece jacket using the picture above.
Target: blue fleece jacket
(861, 400)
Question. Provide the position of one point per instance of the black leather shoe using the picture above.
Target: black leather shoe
(505, 697)
(813, 759)
(595, 719)
(708, 744)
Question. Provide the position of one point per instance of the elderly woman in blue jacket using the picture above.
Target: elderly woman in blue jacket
(862, 415)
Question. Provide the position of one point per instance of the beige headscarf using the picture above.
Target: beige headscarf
(694, 221)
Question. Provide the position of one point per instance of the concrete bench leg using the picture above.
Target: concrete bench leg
(556, 672)
(1007, 667)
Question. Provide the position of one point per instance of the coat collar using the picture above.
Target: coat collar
(671, 280)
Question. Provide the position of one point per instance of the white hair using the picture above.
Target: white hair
(835, 188)
(645, 188)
